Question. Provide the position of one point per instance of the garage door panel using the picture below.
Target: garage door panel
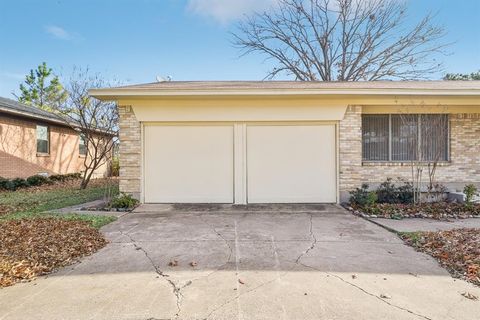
(291, 164)
(190, 164)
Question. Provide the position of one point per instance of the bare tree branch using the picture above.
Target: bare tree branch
(95, 120)
(343, 40)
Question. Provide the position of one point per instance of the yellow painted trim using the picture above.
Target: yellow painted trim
(238, 111)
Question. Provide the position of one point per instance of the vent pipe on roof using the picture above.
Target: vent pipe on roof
(166, 79)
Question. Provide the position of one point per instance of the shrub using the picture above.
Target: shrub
(19, 183)
(65, 177)
(362, 197)
(470, 190)
(57, 177)
(37, 180)
(123, 201)
(73, 176)
(387, 192)
(6, 184)
(405, 193)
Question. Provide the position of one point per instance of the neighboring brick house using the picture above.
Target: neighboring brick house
(34, 141)
(267, 142)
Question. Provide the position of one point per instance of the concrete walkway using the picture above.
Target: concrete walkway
(312, 263)
(78, 209)
(416, 224)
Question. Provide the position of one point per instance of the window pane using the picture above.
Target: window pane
(82, 147)
(404, 137)
(42, 133)
(42, 139)
(42, 146)
(375, 137)
(434, 137)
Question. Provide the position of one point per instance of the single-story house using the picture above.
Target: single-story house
(34, 141)
(290, 142)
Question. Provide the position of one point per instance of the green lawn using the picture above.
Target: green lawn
(28, 204)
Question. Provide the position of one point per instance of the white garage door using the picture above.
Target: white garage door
(291, 163)
(189, 164)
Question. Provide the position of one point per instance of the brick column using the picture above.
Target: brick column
(130, 152)
(350, 145)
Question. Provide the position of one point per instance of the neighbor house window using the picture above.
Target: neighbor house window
(82, 148)
(43, 139)
(405, 137)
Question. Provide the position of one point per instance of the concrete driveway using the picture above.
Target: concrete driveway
(314, 262)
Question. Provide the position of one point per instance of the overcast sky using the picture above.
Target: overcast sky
(136, 40)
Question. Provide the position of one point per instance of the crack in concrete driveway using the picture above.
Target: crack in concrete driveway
(261, 265)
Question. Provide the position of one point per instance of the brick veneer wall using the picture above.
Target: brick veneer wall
(463, 167)
(18, 150)
(130, 152)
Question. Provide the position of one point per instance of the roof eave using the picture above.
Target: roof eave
(35, 117)
(115, 94)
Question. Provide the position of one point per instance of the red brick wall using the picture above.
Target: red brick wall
(18, 149)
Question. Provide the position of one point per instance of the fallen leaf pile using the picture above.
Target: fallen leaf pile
(457, 250)
(435, 210)
(33, 247)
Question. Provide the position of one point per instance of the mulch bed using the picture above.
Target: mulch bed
(456, 250)
(434, 210)
(33, 247)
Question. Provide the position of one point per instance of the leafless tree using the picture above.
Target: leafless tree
(343, 40)
(96, 121)
(426, 137)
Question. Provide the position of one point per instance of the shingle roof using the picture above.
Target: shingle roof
(184, 88)
(306, 85)
(16, 108)
(13, 107)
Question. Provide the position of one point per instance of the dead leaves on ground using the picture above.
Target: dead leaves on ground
(33, 247)
(457, 250)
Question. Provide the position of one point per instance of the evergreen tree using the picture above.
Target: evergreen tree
(42, 89)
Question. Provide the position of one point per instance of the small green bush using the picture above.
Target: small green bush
(6, 184)
(73, 176)
(362, 197)
(388, 192)
(37, 180)
(470, 190)
(57, 177)
(19, 183)
(405, 193)
(124, 201)
(65, 177)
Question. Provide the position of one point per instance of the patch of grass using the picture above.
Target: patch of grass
(95, 221)
(413, 237)
(24, 203)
